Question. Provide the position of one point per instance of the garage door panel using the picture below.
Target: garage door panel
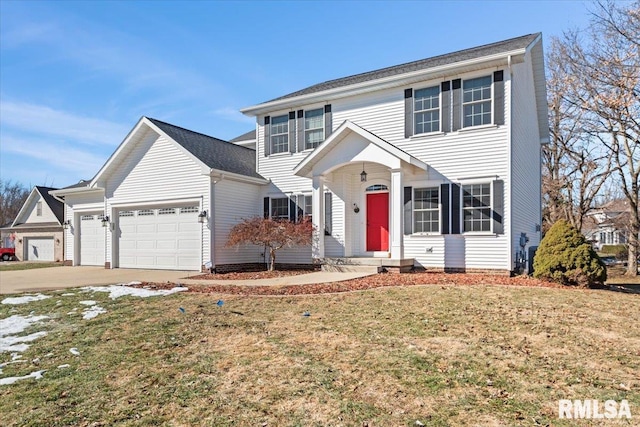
(39, 249)
(164, 238)
(92, 239)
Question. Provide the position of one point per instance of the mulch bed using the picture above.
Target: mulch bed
(369, 282)
(250, 275)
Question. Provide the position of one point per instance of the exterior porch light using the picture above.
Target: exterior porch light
(202, 217)
(363, 175)
(66, 224)
(356, 209)
(105, 221)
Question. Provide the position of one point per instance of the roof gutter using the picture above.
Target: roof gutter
(384, 83)
(69, 191)
(220, 175)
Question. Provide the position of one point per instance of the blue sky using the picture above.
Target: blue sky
(76, 76)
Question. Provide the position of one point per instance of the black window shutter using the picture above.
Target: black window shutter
(455, 209)
(300, 130)
(408, 113)
(445, 90)
(267, 133)
(292, 209)
(457, 103)
(498, 93)
(445, 208)
(327, 214)
(498, 207)
(266, 207)
(328, 121)
(408, 225)
(292, 131)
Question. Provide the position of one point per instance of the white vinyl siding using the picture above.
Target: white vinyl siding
(279, 134)
(313, 128)
(476, 101)
(38, 211)
(426, 110)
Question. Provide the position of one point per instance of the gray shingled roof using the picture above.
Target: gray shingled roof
(251, 135)
(435, 61)
(56, 206)
(81, 183)
(213, 152)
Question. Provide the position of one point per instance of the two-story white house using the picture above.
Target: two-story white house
(432, 164)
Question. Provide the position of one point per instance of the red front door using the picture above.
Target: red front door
(378, 222)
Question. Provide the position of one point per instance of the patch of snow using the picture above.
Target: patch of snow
(117, 291)
(74, 351)
(66, 365)
(24, 299)
(10, 380)
(15, 356)
(13, 325)
(91, 312)
(68, 294)
(10, 343)
(89, 302)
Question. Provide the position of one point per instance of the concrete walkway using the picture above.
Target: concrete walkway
(54, 278)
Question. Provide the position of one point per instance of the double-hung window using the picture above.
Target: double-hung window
(280, 208)
(280, 134)
(313, 128)
(426, 110)
(476, 101)
(308, 207)
(426, 210)
(476, 202)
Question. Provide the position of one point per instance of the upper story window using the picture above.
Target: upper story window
(280, 134)
(476, 205)
(39, 209)
(426, 210)
(313, 128)
(476, 101)
(426, 107)
(280, 208)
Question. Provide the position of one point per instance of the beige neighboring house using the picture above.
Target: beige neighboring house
(38, 228)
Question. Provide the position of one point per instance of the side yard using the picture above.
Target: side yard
(432, 355)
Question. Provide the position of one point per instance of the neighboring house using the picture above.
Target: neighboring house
(606, 225)
(432, 164)
(37, 231)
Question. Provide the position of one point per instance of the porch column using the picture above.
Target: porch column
(396, 223)
(318, 217)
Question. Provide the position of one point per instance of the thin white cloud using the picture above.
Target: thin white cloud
(45, 121)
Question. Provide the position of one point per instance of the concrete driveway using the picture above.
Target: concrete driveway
(48, 279)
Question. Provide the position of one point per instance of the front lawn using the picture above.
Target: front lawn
(440, 355)
(18, 265)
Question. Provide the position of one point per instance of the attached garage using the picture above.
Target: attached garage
(92, 238)
(39, 249)
(160, 238)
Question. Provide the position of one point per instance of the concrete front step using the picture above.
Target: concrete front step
(369, 269)
(380, 264)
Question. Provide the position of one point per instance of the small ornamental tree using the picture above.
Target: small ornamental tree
(566, 257)
(271, 233)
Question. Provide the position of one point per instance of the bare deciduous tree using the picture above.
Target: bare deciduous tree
(605, 62)
(12, 197)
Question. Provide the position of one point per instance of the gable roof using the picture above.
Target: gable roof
(56, 206)
(449, 58)
(249, 136)
(213, 152)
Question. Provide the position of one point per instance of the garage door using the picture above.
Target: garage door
(39, 249)
(166, 238)
(92, 239)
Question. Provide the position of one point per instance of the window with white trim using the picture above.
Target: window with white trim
(280, 208)
(39, 209)
(426, 110)
(476, 101)
(280, 134)
(308, 206)
(313, 128)
(426, 210)
(476, 207)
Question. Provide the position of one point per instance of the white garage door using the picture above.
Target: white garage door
(39, 249)
(92, 239)
(166, 238)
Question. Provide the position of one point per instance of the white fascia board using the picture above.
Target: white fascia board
(220, 174)
(384, 82)
(68, 191)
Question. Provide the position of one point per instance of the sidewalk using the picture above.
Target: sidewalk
(300, 279)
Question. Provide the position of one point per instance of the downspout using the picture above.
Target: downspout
(511, 252)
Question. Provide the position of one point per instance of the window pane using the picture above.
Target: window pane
(280, 208)
(314, 119)
(428, 121)
(280, 134)
(313, 138)
(426, 206)
(477, 207)
(426, 110)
